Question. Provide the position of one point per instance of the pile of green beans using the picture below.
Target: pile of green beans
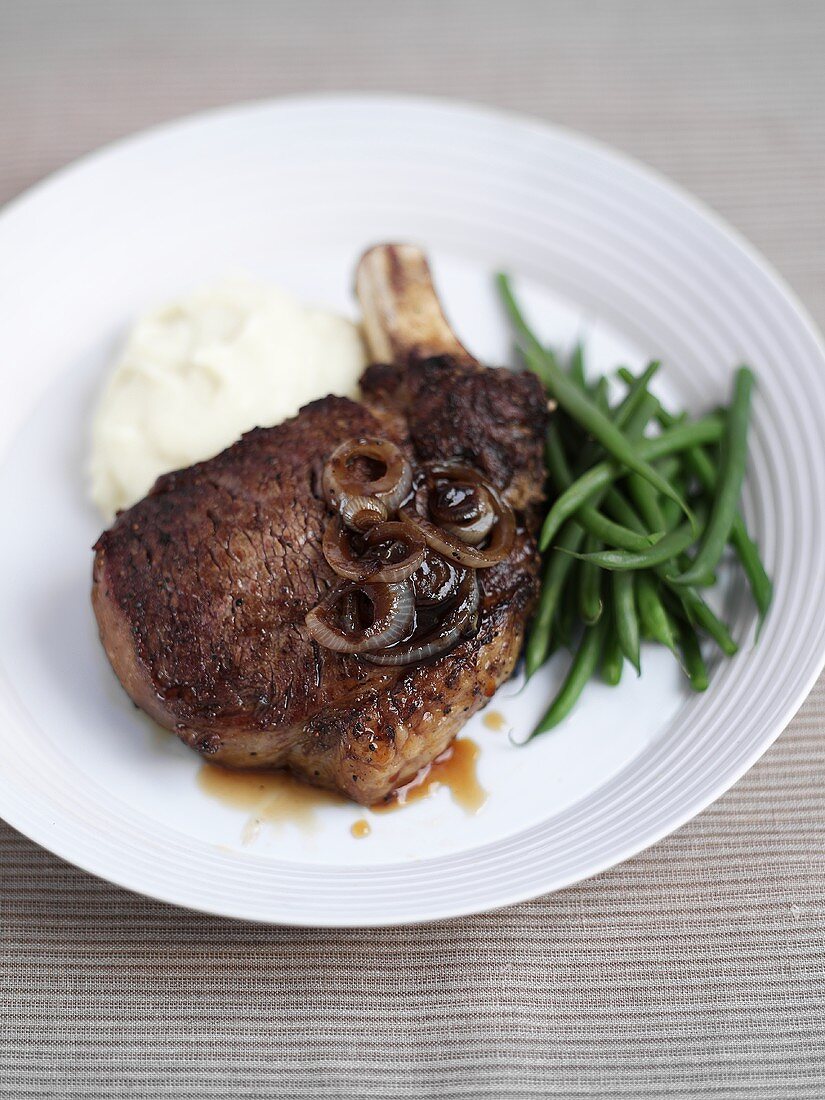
(638, 523)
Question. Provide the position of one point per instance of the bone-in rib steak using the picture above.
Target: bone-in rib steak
(202, 588)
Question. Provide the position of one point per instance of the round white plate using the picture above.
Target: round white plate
(293, 191)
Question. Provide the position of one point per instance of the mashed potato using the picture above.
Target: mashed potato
(197, 373)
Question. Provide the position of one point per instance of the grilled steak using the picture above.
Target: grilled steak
(201, 589)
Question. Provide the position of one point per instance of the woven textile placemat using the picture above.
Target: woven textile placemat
(695, 970)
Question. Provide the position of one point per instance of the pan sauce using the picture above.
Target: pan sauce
(454, 769)
(278, 798)
(271, 797)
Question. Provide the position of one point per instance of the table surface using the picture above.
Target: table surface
(696, 969)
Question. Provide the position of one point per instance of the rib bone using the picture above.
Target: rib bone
(403, 318)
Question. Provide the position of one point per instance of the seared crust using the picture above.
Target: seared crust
(489, 418)
(201, 589)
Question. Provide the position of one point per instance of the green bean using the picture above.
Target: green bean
(631, 533)
(586, 413)
(525, 333)
(729, 487)
(655, 621)
(670, 546)
(612, 656)
(637, 391)
(707, 430)
(556, 459)
(590, 586)
(624, 511)
(572, 398)
(692, 659)
(697, 460)
(643, 411)
(617, 503)
(517, 320)
(600, 396)
(576, 366)
(647, 501)
(634, 411)
(567, 615)
(670, 513)
(614, 534)
(632, 414)
(620, 498)
(690, 606)
(746, 549)
(556, 570)
(673, 469)
(760, 583)
(637, 386)
(670, 467)
(584, 665)
(573, 438)
(686, 601)
(625, 617)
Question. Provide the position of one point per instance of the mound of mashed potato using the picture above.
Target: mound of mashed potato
(197, 373)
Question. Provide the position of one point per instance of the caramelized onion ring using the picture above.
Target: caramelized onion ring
(393, 617)
(459, 620)
(346, 488)
(417, 572)
(436, 580)
(465, 506)
(475, 529)
(502, 535)
(456, 501)
(380, 561)
(360, 512)
(340, 555)
(384, 540)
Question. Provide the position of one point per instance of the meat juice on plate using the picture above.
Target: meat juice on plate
(276, 798)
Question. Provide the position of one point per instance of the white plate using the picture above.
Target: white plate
(293, 191)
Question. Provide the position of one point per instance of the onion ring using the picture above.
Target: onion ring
(359, 512)
(502, 535)
(462, 506)
(436, 580)
(379, 562)
(342, 481)
(383, 539)
(394, 617)
(457, 622)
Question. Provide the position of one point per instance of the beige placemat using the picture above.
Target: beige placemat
(696, 969)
